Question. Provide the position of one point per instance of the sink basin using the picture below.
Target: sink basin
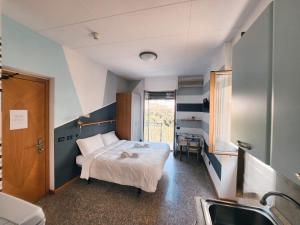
(226, 213)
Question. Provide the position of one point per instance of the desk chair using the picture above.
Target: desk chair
(194, 146)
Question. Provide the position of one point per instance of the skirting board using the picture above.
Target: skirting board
(63, 187)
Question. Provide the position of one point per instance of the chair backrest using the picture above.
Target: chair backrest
(202, 142)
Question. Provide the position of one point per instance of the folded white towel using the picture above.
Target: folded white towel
(124, 155)
(141, 145)
(134, 155)
(128, 155)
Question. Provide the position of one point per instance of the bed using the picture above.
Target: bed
(143, 171)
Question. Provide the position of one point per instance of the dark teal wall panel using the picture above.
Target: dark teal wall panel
(214, 161)
(65, 147)
(189, 108)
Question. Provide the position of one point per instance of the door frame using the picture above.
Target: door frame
(46, 81)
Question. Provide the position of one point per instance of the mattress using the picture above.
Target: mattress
(17, 211)
(142, 172)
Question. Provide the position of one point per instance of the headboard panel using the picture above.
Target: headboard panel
(65, 147)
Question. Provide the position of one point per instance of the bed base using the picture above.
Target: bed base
(139, 190)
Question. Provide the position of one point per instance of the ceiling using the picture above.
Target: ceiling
(184, 33)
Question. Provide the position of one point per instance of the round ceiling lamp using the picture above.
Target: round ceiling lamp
(148, 56)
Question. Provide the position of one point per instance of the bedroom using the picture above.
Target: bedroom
(74, 69)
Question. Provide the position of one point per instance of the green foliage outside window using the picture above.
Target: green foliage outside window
(159, 121)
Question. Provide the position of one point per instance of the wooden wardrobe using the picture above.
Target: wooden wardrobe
(128, 122)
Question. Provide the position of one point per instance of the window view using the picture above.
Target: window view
(159, 117)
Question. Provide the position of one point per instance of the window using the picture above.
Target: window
(220, 111)
(159, 117)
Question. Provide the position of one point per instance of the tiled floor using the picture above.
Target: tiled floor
(110, 204)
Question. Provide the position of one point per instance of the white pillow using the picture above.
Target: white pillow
(90, 144)
(110, 138)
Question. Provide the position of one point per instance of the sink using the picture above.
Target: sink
(226, 213)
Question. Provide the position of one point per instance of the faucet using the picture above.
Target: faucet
(263, 200)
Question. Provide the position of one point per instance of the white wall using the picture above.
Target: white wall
(79, 83)
(114, 84)
(259, 178)
(89, 80)
(221, 61)
(32, 53)
(168, 83)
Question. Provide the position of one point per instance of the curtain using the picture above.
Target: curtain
(223, 108)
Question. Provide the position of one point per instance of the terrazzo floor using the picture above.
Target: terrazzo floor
(105, 203)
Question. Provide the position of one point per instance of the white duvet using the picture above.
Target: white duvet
(142, 172)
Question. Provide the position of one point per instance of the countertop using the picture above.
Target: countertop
(199, 212)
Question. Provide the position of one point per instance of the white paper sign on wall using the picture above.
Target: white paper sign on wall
(18, 119)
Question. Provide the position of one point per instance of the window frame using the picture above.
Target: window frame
(212, 108)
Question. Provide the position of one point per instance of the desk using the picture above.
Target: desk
(190, 142)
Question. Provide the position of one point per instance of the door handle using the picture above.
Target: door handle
(245, 145)
(40, 145)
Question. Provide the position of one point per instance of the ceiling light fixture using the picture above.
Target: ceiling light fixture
(95, 35)
(148, 56)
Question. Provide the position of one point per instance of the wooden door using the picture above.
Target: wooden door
(124, 116)
(25, 150)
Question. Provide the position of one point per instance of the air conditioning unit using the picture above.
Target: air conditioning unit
(190, 81)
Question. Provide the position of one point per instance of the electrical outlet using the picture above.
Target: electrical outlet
(70, 137)
(61, 139)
